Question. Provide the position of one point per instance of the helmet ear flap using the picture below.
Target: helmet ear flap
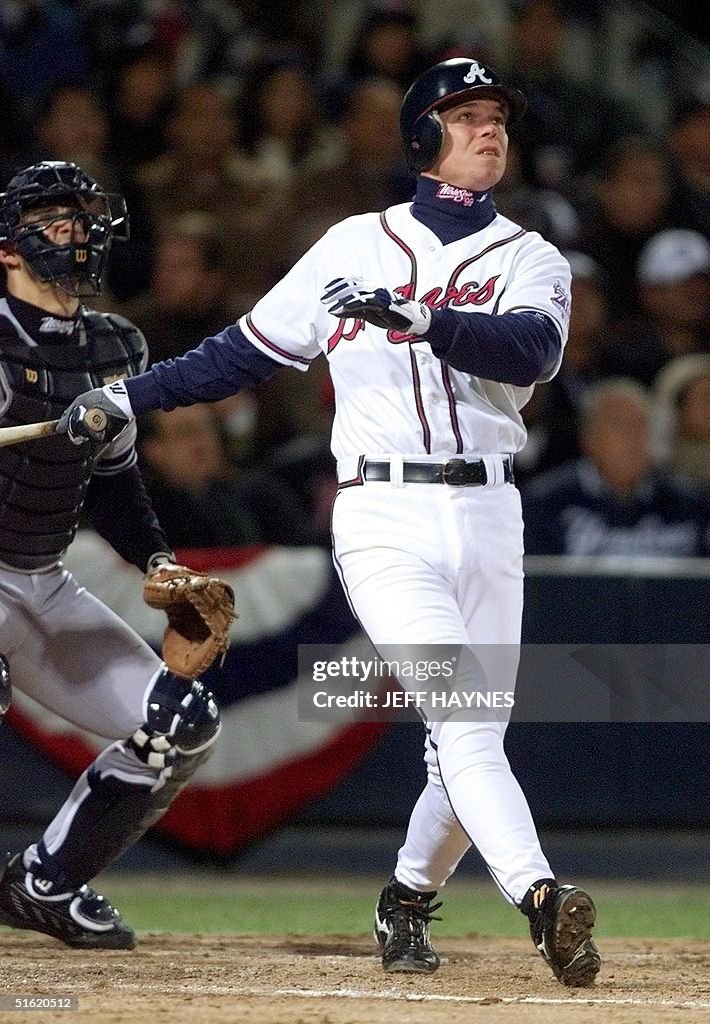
(426, 141)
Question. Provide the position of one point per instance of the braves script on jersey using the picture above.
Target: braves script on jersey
(392, 395)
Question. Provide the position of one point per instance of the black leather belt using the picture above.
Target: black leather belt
(455, 472)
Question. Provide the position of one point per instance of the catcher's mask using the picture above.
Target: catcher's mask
(447, 85)
(97, 218)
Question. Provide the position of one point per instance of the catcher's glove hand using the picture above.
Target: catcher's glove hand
(200, 610)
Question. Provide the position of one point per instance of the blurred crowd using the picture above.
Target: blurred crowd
(239, 131)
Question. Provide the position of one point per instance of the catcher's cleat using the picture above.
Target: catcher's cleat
(82, 918)
(402, 918)
(561, 922)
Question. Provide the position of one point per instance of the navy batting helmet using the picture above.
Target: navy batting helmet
(76, 266)
(447, 85)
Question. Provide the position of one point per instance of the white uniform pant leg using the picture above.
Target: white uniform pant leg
(435, 841)
(412, 579)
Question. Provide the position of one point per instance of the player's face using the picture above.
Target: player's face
(475, 145)
(58, 226)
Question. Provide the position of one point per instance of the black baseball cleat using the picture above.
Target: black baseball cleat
(82, 918)
(561, 922)
(402, 918)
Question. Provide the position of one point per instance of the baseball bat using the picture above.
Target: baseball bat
(31, 431)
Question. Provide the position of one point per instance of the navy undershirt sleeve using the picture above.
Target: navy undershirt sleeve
(511, 348)
(133, 531)
(220, 366)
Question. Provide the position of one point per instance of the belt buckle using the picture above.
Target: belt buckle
(455, 473)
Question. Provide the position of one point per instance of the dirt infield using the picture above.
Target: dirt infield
(218, 979)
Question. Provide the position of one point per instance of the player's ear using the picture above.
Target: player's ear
(9, 256)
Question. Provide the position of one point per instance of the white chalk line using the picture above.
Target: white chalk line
(338, 958)
(422, 997)
(272, 992)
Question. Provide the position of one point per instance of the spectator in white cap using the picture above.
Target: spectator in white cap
(673, 257)
(673, 278)
(673, 274)
(682, 390)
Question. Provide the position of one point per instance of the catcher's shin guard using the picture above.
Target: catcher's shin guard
(129, 786)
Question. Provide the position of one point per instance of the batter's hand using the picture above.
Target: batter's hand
(99, 415)
(353, 297)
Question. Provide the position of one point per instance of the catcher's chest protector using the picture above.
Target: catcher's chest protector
(43, 483)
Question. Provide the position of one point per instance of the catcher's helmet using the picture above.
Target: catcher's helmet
(446, 85)
(76, 266)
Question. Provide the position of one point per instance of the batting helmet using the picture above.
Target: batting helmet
(447, 85)
(77, 265)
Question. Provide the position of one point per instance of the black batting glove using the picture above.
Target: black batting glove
(354, 298)
(98, 416)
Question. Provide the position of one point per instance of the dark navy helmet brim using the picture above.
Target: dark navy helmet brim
(514, 99)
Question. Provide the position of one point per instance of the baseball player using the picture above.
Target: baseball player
(59, 644)
(437, 316)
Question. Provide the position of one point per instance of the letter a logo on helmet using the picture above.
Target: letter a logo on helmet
(477, 74)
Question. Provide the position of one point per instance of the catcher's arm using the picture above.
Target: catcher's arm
(200, 610)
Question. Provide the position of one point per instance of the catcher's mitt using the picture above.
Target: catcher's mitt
(200, 610)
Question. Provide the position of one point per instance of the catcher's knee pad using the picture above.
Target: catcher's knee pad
(182, 721)
(5, 686)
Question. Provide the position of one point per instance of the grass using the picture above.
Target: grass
(227, 903)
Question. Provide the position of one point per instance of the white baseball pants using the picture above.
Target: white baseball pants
(429, 563)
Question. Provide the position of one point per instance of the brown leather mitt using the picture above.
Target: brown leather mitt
(200, 610)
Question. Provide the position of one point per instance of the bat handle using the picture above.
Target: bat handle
(95, 419)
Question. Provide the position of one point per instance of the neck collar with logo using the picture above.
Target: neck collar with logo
(449, 211)
(43, 327)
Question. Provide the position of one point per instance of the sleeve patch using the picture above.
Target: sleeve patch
(561, 298)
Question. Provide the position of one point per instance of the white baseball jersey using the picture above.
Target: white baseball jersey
(393, 395)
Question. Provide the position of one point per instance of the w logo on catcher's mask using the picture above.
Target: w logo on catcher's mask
(477, 74)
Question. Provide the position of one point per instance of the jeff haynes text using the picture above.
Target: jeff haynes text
(413, 699)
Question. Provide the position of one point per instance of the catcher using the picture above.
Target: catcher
(58, 643)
